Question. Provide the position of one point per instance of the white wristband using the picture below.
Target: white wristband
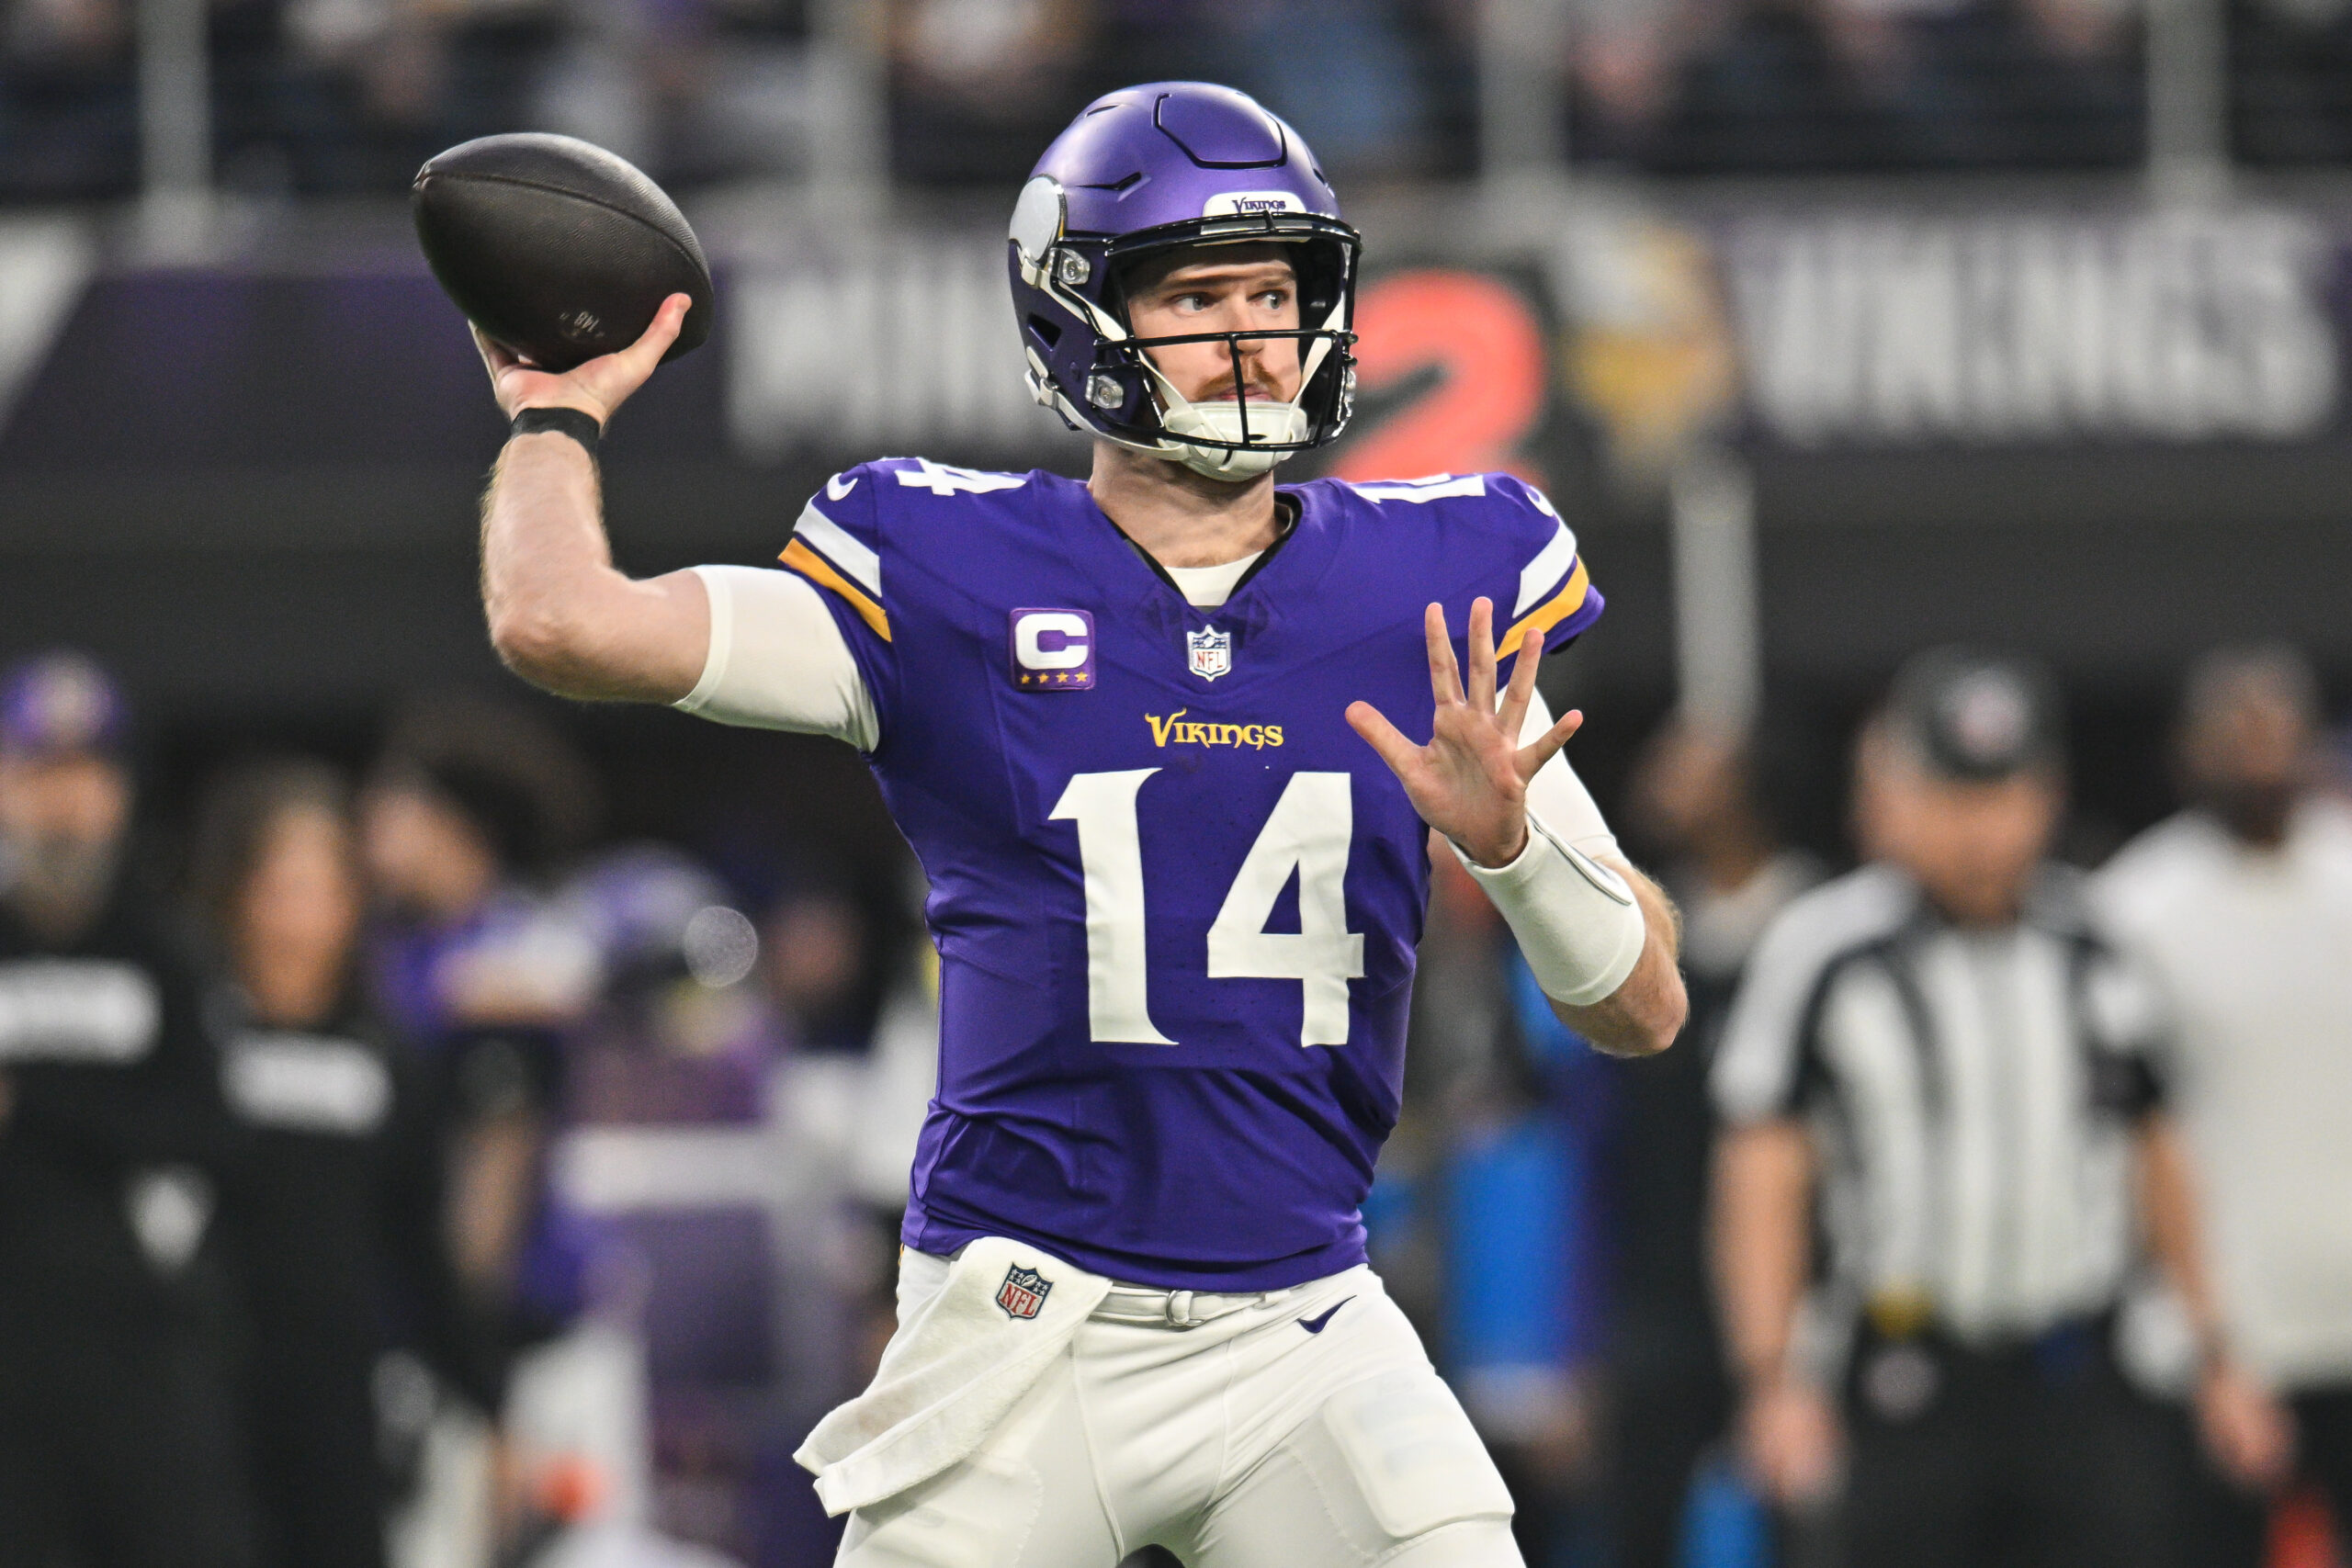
(1578, 925)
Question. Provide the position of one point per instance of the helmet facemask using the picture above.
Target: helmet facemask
(1237, 437)
(1122, 394)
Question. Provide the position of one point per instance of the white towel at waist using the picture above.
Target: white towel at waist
(953, 1371)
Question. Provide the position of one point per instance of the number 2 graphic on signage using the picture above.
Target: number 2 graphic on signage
(1310, 830)
(1486, 345)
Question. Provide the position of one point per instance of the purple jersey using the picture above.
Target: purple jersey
(1176, 898)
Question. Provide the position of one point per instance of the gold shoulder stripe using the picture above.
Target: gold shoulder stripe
(818, 570)
(1544, 616)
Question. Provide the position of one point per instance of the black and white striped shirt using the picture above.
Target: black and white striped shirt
(1971, 1094)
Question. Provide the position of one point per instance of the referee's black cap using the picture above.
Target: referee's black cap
(1975, 715)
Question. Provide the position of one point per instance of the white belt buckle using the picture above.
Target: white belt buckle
(1179, 1310)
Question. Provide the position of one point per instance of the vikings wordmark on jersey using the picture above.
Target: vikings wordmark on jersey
(1177, 899)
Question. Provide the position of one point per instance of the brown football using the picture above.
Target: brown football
(555, 248)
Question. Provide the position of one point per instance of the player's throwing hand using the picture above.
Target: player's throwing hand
(597, 387)
(1470, 782)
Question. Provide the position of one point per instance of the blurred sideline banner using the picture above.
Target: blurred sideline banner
(2127, 426)
(1980, 331)
(1836, 329)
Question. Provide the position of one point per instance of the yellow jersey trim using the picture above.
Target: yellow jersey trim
(1544, 617)
(818, 570)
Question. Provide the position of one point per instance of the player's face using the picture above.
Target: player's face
(297, 914)
(1221, 289)
(2247, 756)
(1974, 847)
(423, 856)
(62, 817)
(74, 798)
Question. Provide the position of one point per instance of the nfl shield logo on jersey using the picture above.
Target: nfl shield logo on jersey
(1024, 1291)
(1212, 651)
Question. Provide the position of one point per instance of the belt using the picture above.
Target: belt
(1175, 1309)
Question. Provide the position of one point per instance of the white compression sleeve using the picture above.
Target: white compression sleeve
(1578, 923)
(777, 661)
(1558, 796)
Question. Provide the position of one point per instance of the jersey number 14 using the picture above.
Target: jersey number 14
(1309, 832)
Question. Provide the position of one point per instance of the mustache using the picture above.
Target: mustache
(1263, 386)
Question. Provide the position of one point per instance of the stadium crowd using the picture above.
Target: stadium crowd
(283, 1114)
(344, 96)
(394, 1169)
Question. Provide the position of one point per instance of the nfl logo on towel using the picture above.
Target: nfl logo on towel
(1212, 651)
(1023, 1292)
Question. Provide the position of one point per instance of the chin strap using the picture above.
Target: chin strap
(1283, 425)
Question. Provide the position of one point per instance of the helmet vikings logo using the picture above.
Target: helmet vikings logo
(1212, 651)
(1024, 1291)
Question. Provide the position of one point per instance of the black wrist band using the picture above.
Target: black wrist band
(582, 427)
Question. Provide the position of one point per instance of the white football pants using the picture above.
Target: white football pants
(1253, 1441)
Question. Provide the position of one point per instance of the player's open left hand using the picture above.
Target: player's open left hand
(1470, 782)
(597, 387)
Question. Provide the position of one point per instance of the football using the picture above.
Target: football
(557, 249)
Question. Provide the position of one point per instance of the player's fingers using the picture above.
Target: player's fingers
(1482, 655)
(1521, 690)
(1546, 746)
(495, 357)
(641, 357)
(1383, 737)
(1446, 676)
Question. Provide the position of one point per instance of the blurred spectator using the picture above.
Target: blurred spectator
(335, 96)
(696, 90)
(1624, 57)
(817, 968)
(675, 1037)
(465, 817)
(1790, 84)
(337, 1218)
(2292, 81)
(343, 95)
(1989, 83)
(117, 1420)
(68, 110)
(1345, 72)
(1693, 799)
(978, 88)
(1939, 1048)
(2242, 906)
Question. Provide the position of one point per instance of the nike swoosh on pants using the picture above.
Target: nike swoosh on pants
(1315, 1324)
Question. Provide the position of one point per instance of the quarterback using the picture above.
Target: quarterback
(1152, 736)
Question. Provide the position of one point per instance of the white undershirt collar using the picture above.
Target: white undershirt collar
(1206, 587)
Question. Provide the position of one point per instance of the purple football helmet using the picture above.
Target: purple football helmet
(1146, 169)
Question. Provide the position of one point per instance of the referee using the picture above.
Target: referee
(1936, 1068)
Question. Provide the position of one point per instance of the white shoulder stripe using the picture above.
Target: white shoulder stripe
(1543, 573)
(1756, 1060)
(832, 541)
(1436, 489)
